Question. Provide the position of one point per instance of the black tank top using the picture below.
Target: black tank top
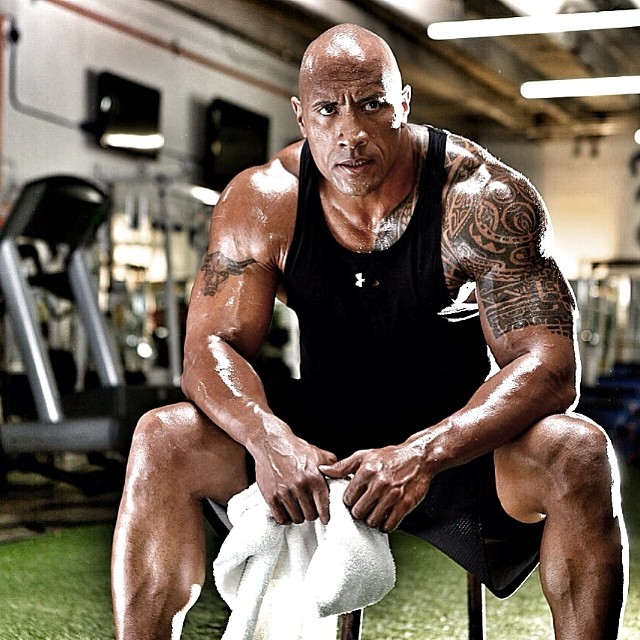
(379, 360)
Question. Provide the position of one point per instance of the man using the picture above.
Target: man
(372, 231)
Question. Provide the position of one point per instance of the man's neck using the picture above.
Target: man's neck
(376, 220)
(374, 206)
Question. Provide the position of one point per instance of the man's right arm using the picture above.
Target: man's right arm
(229, 314)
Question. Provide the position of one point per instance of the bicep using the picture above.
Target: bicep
(234, 289)
(535, 295)
(531, 301)
(499, 237)
(232, 299)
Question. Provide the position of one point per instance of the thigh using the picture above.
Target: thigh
(520, 475)
(463, 517)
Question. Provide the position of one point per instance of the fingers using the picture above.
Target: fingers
(363, 500)
(313, 500)
(384, 511)
(321, 498)
(342, 468)
(392, 521)
(386, 514)
(384, 489)
(290, 481)
(366, 503)
(305, 498)
(327, 457)
(285, 510)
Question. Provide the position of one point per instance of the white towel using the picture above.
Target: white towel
(291, 582)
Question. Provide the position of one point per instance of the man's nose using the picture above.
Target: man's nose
(352, 134)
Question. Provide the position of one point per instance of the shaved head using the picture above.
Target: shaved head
(353, 109)
(348, 46)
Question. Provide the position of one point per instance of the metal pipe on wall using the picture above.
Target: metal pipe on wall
(173, 47)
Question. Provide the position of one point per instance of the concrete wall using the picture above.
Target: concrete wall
(187, 61)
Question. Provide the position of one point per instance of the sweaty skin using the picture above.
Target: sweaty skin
(494, 223)
(353, 110)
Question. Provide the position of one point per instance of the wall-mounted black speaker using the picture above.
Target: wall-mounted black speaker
(236, 138)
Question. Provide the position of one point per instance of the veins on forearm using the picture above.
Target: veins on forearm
(217, 268)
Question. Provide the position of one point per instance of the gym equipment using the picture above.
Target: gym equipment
(65, 212)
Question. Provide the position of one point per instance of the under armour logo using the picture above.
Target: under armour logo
(359, 280)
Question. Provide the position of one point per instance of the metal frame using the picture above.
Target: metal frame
(54, 431)
(351, 623)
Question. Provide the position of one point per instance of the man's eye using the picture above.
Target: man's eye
(327, 110)
(372, 105)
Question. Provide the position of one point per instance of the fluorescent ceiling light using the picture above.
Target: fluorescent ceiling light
(520, 25)
(133, 141)
(427, 11)
(581, 87)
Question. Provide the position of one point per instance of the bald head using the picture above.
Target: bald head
(348, 48)
(352, 108)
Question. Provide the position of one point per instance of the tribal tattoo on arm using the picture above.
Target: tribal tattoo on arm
(217, 268)
(542, 298)
(494, 227)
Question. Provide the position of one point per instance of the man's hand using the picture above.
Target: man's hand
(291, 483)
(387, 483)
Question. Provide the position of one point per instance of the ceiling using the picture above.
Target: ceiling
(468, 86)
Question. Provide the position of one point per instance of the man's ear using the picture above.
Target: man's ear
(297, 109)
(406, 102)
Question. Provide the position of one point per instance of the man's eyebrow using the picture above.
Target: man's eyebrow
(327, 102)
(377, 95)
(323, 102)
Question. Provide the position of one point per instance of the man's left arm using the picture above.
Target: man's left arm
(527, 313)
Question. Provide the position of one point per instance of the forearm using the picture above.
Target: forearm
(504, 407)
(224, 386)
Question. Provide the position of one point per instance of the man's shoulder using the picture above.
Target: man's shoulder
(489, 208)
(277, 177)
(466, 159)
(271, 186)
(257, 209)
(289, 158)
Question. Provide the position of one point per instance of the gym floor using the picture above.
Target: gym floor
(45, 573)
(34, 504)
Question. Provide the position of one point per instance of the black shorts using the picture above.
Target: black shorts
(461, 514)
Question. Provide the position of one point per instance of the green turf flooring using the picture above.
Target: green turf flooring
(56, 587)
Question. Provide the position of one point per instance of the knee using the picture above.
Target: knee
(162, 442)
(563, 464)
(575, 441)
(577, 454)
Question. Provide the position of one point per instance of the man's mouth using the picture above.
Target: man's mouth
(353, 165)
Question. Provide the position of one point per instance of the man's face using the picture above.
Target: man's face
(351, 113)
